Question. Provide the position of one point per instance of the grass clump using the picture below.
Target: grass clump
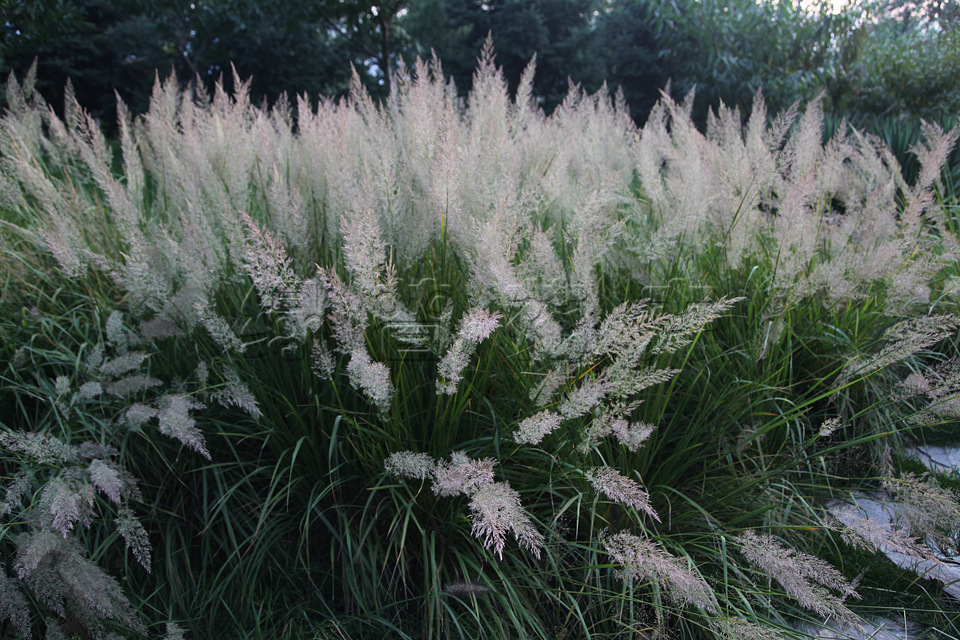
(430, 369)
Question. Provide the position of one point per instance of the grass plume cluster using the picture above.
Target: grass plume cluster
(430, 368)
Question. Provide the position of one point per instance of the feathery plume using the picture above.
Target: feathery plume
(129, 385)
(495, 505)
(904, 339)
(94, 357)
(643, 559)
(122, 364)
(13, 604)
(66, 501)
(16, 489)
(202, 373)
(928, 511)
(679, 331)
(941, 386)
(932, 152)
(41, 447)
(134, 535)
(802, 576)
(268, 266)
(159, 328)
(305, 314)
(828, 427)
(365, 255)
(348, 314)
(139, 414)
(631, 435)
(541, 270)
(106, 477)
(67, 582)
(451, 366)
(116, 336)
(863, 532)
(462, 475)
(461, 588)
(496, 510)
(63, 245)
(373, 378)
(407, 464)
(737, 629)
(89, 390)
(627, 330)
(583, 398)
(618, 488)
(475, 327)
(236, 394)
(174, 632)
(534, 429)
(219, 329)
(176, 422)
(324, 364)
(624, 381)
(544, 392)
(61, 386)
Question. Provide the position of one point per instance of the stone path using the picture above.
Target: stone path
(882, 512)
(938, 458)
(873, 629)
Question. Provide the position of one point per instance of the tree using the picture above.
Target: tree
(908, 63)
(727, 49)
(371, 31)
(102, 46)
(558, 32)
(628, 41)
(284, 46)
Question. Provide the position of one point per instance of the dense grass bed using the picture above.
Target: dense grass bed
(429, 369)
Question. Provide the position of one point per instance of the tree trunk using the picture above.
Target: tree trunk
(385, 20)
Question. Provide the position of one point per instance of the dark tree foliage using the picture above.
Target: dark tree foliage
(726, 49)
(907, 63)
(879, 59)
(628, 40)
(558, 32)
(284, 46)
(102, 46)
(370, 32)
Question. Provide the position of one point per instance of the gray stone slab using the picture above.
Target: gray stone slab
(882, 513)
(872, 629)
(945, 459)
